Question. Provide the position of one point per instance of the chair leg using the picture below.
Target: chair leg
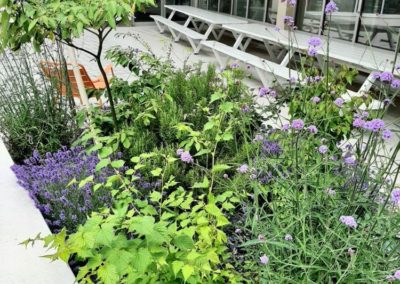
(159, 27)
(221, 62)
(261, 74)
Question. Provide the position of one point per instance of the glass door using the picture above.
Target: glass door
(380, 23)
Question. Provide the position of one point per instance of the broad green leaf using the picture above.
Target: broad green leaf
(102, 164)
(187, 271)
(177, 266)
(117, 164)
(155, 196)
(108, 274)
(227, 107)
(204, 184)
(156, 172)
(183, 242)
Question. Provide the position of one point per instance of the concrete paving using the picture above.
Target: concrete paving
(19, 220)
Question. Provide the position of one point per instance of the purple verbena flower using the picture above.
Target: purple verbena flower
(350, 161)
(374, 125)
(349, 221)
(312, 129)
(323, 149)
(264, 259)
(245, 108)
(397, 275)
(285, 127)
(315, 100)
(339, 102)
(288, 20)
(387, 102)
(314, 41)
(186, 157)
(297, 124)
(312, 52)
(331, 7)
(243, 169)
(387, 134)
(179, 152)
(234, 65)
(263, 91)
(386, 76)
(358, 123)
(271, 148)
(396, 196)
(395, 84)
(375, 75)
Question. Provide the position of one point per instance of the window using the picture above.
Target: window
(240, 8)
(380, 23)
(256, 10)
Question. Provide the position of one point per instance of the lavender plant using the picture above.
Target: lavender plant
(54, 182)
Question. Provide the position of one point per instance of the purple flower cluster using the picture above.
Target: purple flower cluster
(234, 65)
(396, 196)
(374, 125)
(314, 41)
(312, 51)
(387, 77)
(288, 20)
(185, 156)
(243, 169)
(312, 129)
(297, 124)
(47, 179)
(265, 91)
(270, 148)
(395, 84)
(323, 149)
(315, 100)
(264, 259)
(349, 221)
(331, 7)
(339, 102)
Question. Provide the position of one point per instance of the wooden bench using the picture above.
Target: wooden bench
(177, 30)
(262, 66)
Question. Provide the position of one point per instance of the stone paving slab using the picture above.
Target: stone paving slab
(19, 220)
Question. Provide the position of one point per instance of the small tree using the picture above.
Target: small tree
(34, 21)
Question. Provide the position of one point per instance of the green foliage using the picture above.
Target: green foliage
(173, 238)
(34, 21)
(336, 122)
(198, 110)
(33, 113)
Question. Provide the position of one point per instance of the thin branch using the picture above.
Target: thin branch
(90, 31)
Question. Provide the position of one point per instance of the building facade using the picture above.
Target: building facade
(372, 22)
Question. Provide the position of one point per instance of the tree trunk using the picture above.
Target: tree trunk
(109, 93)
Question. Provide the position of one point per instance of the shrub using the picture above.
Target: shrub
(33, 114)
(54, 182)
